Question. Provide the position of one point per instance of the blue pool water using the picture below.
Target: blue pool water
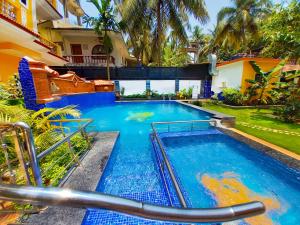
(132, 170)
(208, 158)
(238, 173)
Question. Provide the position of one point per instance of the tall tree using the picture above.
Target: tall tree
(164, 13)
(197, 34)
(239, 23)
(104, 23)
(281, 32)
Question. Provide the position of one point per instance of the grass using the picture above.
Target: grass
(264, 118)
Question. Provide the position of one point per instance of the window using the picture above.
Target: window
(98, 50)
(24, 2)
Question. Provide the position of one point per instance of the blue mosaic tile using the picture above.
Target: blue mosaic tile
(27, 85)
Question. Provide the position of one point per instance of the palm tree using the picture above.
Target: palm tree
(164, 14)
(104, 23)
(240, 22)
(197, 34)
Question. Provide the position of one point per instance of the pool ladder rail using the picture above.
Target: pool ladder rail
(36, 194)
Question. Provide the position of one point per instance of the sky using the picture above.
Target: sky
(213, 7)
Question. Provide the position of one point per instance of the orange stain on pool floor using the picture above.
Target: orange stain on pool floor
(229, 190)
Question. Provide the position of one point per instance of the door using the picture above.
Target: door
(76, 51)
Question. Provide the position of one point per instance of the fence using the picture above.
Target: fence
(190, 72)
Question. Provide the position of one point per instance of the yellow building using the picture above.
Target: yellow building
(19, 34)
(234, 73)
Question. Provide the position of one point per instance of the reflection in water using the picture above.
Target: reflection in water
(140, 117)
(229, 190)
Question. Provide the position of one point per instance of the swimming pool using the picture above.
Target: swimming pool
(214, 169)
(223, 163)
(132, 171)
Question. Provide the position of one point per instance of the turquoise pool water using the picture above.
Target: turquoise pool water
(132, 170)
(216, 170)
(200, 162)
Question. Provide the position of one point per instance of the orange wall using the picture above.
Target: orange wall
(248, 72)
(8, 66)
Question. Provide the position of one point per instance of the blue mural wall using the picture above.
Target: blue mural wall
(27, 84)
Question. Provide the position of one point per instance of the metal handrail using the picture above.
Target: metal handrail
(84, 199)
(29, 141)
(192, 122)
(66, 138)
(165, 158)
(173, 178)
(35, 158)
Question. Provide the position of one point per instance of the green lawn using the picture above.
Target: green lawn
(263, 118)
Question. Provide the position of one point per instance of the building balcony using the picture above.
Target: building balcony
(8, 10)
(89, 60)
(46, 10)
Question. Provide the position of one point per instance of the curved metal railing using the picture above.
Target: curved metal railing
(84, 199)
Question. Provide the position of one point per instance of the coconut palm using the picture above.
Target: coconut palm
(102, 24)
(164, 13)
(240, 22)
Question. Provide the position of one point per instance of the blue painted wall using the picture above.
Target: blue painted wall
(85, 100)
(27, 84)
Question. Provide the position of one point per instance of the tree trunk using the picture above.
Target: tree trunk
(107, 59)
(107, 66)
(261, 94)
(159, 30)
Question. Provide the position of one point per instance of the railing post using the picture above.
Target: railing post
(32, 152)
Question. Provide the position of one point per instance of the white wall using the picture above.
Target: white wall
(229, 76)
(163, 86)
(196, 84)
(133, 86)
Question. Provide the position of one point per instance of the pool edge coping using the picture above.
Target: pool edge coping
(283, 155)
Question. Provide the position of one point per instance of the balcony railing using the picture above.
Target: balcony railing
(54, 48)
(9, 10)
(89, 60)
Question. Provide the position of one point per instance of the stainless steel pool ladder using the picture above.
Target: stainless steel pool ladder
(82, 199)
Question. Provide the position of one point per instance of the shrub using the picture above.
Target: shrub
(233, 96)
(197, 103)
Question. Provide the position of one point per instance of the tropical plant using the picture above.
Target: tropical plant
(185, 93)
(45, 132)
(233, 96)
(103, 24)
(281, 32)
(263, 80)
(240, 23)
(163, 14)
(290, 91)
(174, 57)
